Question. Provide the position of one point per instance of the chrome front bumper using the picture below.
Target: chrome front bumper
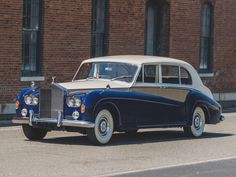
(59, 121)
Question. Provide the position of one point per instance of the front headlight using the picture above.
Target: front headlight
(70, 102)
(77, 102)
(28, 100)
(31, 100)
(35, 100)
(73, 102)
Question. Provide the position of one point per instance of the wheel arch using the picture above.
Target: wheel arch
(204, 108)
(112, 108)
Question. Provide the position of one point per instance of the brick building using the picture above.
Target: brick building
(41, 38)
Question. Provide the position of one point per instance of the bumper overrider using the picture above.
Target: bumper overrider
(59, 121)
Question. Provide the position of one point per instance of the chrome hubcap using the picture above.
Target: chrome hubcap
(197, 122)
(104, 126)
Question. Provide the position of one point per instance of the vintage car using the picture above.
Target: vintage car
(120, 93)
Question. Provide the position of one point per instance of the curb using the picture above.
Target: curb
(229, 110)
(6, 123)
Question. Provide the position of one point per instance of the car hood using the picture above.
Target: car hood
(94, 84)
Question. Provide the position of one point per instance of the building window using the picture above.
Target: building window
(206, 45)
(157, 28)
(100, 25)
(31, 37)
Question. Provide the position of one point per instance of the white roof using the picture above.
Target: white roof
(136, 59)
(141, 59)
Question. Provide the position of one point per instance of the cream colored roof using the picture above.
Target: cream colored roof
(136, 59)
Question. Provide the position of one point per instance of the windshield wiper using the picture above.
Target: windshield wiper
(121, 77)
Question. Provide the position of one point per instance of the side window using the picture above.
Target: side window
(185, 77)
(170, 74)
(150, 74)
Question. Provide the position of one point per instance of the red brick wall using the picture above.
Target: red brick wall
(185, 39)
(127, 24)
(185, 30)
(10, 48)
(67, 35)
(66, 42)
(225, 47)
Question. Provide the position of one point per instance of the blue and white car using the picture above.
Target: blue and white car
(120, 93)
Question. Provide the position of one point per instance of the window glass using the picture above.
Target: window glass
(170, 74)
(206, 44)
(100, 28)
(150, 74)
(185, 77)
(103, 70)
(31, 37)
(157, 27)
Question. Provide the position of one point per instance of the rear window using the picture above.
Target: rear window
(170, 74)
(185, 77)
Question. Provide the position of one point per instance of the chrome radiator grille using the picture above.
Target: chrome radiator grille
(50, 102)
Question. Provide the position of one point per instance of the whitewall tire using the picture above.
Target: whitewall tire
(198, 123)
(103, 130)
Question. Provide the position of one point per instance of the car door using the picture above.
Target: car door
(158, 103)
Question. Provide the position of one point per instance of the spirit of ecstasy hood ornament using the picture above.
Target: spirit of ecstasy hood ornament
(53, 79)
(32, 84)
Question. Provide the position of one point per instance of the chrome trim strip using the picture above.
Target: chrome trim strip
(134, 99)
(59, 119)
(31, 117)
(64, 122)
(22, 120)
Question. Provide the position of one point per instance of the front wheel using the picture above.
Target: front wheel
(34, 134)
(103, 130)
(198, 123)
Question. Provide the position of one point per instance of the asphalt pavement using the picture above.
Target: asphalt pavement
(153, 152)
(221, 168)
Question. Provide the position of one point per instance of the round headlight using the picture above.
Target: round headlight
(28, 100)
(24, 112)
(35, 100)
(70, 102)
(77, 102)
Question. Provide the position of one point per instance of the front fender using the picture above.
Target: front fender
(20, 98)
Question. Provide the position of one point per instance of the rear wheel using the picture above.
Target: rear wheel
(34, 134)
(198, 123)
(103, 130)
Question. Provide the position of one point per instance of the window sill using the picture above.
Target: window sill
(34, 78)
(206, 74)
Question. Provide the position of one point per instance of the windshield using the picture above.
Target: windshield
(104, 70)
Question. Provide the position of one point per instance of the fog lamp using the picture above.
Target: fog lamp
(75, 115)
(24, 112)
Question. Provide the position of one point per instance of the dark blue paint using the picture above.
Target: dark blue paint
(136, 109)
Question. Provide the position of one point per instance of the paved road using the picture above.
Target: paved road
(221, 168)
(71, 155)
